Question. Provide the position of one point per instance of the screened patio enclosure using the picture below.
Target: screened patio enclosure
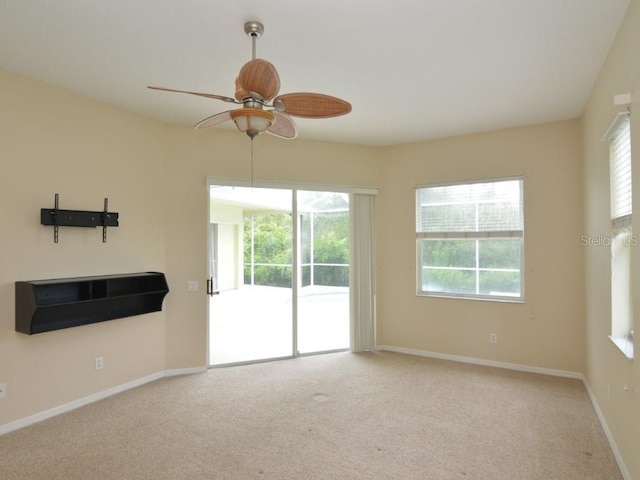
(282, 283)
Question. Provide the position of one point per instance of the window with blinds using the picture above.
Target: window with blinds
(619, 137)
(469, 240)
(620, 158)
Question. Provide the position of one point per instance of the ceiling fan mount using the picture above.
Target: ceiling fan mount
(257, 87)
(254, 29)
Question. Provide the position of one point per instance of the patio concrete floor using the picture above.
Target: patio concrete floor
(255, 322)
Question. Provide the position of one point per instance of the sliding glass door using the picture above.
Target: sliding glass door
(250, 313)
(323, 294)
(279, 262)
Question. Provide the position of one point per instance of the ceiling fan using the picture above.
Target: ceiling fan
(257, 85)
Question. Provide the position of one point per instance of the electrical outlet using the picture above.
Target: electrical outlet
(99, 363)
(493, 338)
(3, 390)
(608, 391)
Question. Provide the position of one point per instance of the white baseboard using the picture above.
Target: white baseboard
(81, 402)
(483, 362)
(184, 371)
(607, 432)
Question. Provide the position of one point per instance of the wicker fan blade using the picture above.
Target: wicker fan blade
(241, 93)
(214, 120)
(312, 105)
(208, 95)
(261, 77)
(283, 126)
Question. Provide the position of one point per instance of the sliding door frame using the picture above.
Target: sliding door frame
(354, 323)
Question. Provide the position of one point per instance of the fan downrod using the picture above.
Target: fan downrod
(254, 30)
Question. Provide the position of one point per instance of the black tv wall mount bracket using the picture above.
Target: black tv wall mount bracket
(78, 218)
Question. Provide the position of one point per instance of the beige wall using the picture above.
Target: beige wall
(606, 365)
(547, 330)
(198, 155)
(52, 141)
(155, 177)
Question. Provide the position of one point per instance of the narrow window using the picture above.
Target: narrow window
(469, 240)
(621, 234)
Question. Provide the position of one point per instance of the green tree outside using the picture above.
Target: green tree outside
(272, 246)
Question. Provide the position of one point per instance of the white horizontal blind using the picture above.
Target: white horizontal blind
(619, 136)
(476, 207)
(469, 240)
(621, 191)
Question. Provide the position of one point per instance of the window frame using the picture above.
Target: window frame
(622, 238)
(477, 236)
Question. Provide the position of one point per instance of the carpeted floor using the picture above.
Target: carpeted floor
(339, 416)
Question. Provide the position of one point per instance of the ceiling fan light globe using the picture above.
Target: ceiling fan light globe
(252, 121)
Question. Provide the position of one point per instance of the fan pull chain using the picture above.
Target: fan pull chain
(252, 163)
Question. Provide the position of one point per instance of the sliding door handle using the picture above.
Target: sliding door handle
(210, 291)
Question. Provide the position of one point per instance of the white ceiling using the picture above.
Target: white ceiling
(412, 69)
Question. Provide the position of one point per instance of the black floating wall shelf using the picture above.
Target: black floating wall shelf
(45, 305)
(78, 218)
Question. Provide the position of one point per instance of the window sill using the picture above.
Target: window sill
(482, 298)
(625, 345)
